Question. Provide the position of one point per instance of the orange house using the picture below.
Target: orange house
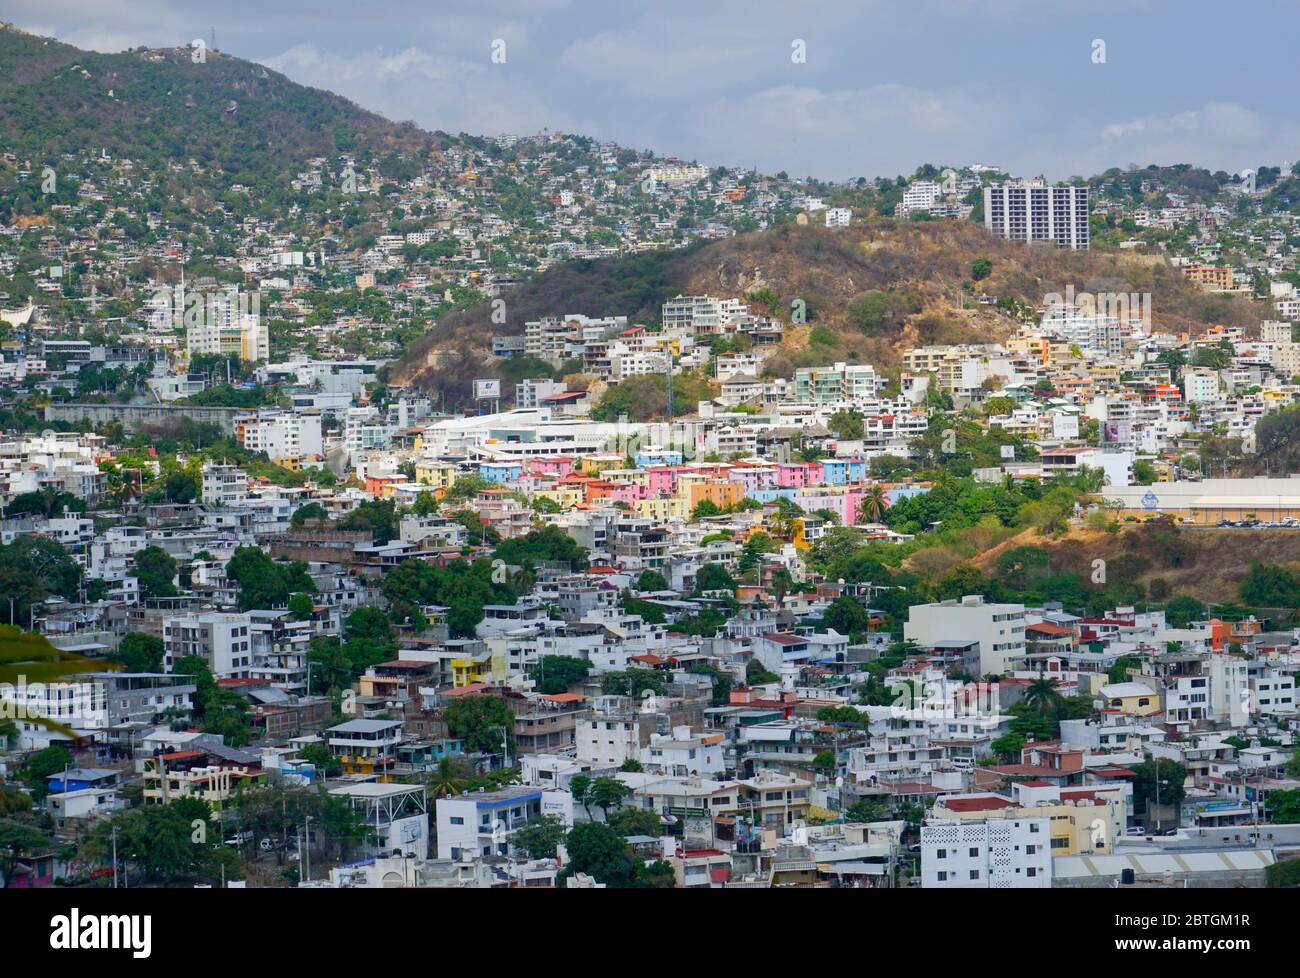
(721, 493)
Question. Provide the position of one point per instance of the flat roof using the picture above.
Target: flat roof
(375, 789)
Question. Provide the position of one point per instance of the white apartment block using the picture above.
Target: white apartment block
(529, 393)
(225, 328)
(702, 314)
(608, 739)
(838, 217)
(1202, 386)
(842, 383)
(364, 429)
(921, 196)
(224, 485)
(283, 434)
(999, 628)
(221, 639)
(1031, 210)
(1272, 693)
(997, 853)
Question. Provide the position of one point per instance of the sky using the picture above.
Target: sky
(1051, 87)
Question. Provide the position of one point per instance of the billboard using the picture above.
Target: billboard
(484, 389)
(1117, 432)
(1065, 425)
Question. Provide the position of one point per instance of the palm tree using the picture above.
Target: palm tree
(873, 505)
(448, 780)
(1043, 696)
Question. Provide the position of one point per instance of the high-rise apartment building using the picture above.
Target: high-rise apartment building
(1032, 210)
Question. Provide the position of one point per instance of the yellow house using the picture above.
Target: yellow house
(566, 497)
(1134, 699)
(487, 667)
(598, 462)
(672, 507)
(437, 475)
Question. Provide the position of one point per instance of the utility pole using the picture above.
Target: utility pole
(670, 384)
(115, 857)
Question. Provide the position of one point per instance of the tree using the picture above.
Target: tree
(140, 652)
(847, 425)
(41, 561)
(41, 766)
(311, 511)
(18, 839)
(1182, 610)
(448, 779)
(579, 786)
(322, 759)
(756, 674)
(219, 711)
(873, 505)
(606, 793)
(556, 673)
(868, 810)
(1043, 697)
(980, 269)
(650, 580)
(722, 681)
(478, 721)
(550, 544)
(1119, 670)
(1008, 746)
(704, 509)
(631, 766)
(847, 616)
(425, 504)
(635, 821)
(301, 606)
(598, 851)
(1283, 874)
(155, 569)
(1283, 806)
(539, 838)
(1171, 775)
(714, 577)
(379, 517)
(264, 582)
(48, 502)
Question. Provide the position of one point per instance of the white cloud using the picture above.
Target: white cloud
(438, 91)
(1217, 135)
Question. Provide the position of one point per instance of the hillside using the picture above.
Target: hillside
(924, 263)
(158, 104)
(1204, 563)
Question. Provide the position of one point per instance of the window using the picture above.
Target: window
(1031, 871)
(942, 854)
(974, 874)
(942, 876)
(457, 820)
(974, 852)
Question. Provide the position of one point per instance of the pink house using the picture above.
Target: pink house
(754, 477)
(797, 475)
(662, 480)
(557, 465)
(629, 494)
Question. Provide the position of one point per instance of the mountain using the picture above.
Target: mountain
(159, 105)
(871, 290)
